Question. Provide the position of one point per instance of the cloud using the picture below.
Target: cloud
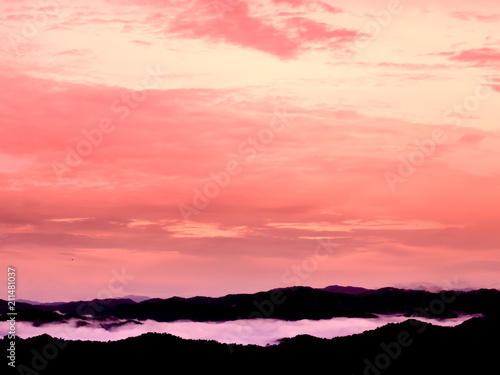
(279, 35)
(474, 16)
(485, 57)
(309, 5)
(223, 72)
(256, 331)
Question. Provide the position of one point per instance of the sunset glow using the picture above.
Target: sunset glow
(212, 147)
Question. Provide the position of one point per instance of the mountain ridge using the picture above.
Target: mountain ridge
(293, 303)
(427, 349)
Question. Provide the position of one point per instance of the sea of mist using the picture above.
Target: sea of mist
(249, 331)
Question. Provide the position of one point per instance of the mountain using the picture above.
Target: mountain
(345, 289)
(426, 286)
(39, 303)
(300, 303)
(28, 301)
(132, 297)
(406, 348)
(136, 298)
(38, 317)
(288, 304)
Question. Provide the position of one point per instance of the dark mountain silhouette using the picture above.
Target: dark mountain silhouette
(407, 348)
(136, 298)
(345, 289)
(29, 302)
(19, 305)
(38, 317)
(133, 297)
(288, 304)
(36, 303)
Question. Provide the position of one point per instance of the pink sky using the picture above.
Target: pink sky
(373, 125)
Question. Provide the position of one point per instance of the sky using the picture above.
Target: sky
(169, 147)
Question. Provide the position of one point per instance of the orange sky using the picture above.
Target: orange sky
(206, 147)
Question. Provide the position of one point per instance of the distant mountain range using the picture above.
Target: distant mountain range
(411, 347)
(345, 289)
(130, 296)
(331, 288)
(293, 303)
